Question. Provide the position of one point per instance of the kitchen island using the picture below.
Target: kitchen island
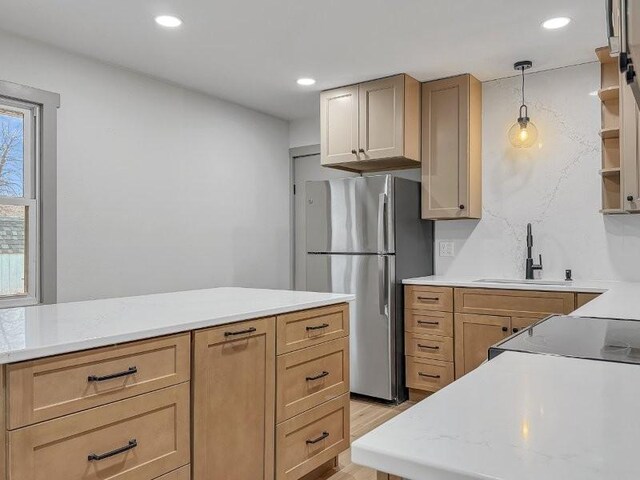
(246, 383)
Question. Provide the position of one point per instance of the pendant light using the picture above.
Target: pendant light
(523, 133)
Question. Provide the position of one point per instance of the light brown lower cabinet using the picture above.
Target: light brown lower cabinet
(474, 334)
(307, 441)
(233, 401)
(183, 473)
(139, 438)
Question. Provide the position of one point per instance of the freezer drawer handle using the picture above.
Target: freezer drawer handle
(427, 375)
(240, 332)
(317, 327)
(317, 377)
(97, 457)
(429, 299)
(424, 322)
(429, 347)
(319, 439)
(96, 378)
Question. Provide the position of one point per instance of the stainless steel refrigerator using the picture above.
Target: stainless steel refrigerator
(364, 235)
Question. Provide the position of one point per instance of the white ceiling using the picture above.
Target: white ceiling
(252, 51)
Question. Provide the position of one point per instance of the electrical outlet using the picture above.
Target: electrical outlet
(447, 249)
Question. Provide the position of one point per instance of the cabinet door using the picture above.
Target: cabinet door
(233, 395)
(451, 129)
(474, 334)
(339, 125)
(382, 118)
(629, 151)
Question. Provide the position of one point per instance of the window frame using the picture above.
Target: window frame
(41, 196)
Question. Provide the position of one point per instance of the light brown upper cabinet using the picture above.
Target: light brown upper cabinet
(452, 148)
(630, 154)
(372, 126)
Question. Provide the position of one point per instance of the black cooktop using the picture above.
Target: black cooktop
(604, 339)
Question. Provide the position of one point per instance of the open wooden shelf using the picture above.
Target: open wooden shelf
(603, 54)
(610, 171)
(612, 132)
(609, 93)
(613, 211)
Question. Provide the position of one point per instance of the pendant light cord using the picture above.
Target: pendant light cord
(522, 70)
(523, 108)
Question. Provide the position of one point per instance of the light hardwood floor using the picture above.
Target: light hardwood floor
(365, 416)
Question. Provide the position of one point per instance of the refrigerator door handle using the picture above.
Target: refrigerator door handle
(382, 223)
(383, 289)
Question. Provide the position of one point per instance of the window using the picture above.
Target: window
(19, 203)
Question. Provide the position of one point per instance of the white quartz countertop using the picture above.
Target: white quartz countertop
(618, 299)
(39, 331)
(518, 417)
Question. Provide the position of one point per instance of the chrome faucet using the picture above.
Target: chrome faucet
(530, 266)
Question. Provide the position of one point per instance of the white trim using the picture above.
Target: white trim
(30, 200)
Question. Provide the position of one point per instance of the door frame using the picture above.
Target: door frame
(294, 153)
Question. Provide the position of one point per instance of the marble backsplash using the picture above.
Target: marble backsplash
(555, 186)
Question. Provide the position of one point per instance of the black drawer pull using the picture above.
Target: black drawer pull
(240, 332)
(317, 377)
(96, 378)
(319, 439)
(423, 322)
(429, 347)
(97, 457)
(317, 327)
(427, 375)
(429, 299)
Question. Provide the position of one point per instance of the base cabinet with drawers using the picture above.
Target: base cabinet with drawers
(259, 399)
(448, 331)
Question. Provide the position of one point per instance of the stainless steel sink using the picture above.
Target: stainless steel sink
(525, 282)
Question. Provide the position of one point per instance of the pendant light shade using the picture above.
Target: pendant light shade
(523, 133)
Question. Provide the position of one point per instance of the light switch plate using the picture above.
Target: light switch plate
(447, 249)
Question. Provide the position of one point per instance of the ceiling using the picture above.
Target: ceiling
(252, 51)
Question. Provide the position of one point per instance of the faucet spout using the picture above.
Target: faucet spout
(530, 267)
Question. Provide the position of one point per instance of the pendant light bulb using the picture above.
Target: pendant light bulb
(523, 133)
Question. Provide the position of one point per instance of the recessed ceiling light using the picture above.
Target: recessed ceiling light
(555, 23)
(168, 21)
(305, 82)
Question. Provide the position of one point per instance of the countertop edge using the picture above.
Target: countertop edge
(105, 341)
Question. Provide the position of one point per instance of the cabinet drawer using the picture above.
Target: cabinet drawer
(52, 387)
(139, 438)
(311, 327)
(183, 473)
(309, 377)
(428, 298)
(526, 303)
(430, 323)
(305, 442)
(429, 346)
(428, 375)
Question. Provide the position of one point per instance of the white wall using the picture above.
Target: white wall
(304, 132)
(159, 188)
(556, 187)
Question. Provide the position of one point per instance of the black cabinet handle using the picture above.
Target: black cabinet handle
(427, 375)
(317, 327)
(354, 151)
(515, 330)
(461, 207)
(96, 378)
(429, 347)
(424, 322)
(361, 150)
(317, 377)
(429, 299)
(319, 439)
(240, 332)
(629, 198)
(505, 329)
(97, 457)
